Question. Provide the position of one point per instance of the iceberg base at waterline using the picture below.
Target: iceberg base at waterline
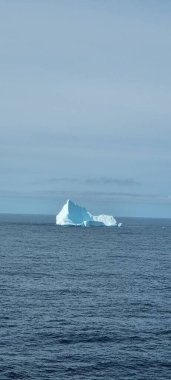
(74, 215)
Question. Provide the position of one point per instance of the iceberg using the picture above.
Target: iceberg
(74, 215)
(120, 224)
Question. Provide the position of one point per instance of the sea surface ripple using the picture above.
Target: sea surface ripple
(85, 303)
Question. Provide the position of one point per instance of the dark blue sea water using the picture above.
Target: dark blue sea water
(84, 303)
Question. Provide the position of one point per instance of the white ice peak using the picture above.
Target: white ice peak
(75, 215)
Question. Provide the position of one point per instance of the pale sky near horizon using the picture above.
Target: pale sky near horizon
(85, 113)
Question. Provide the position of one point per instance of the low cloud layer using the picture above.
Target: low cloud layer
(113, 181)
(98, 181)
(77, 195)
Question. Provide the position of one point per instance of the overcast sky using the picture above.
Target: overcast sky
(85, 106)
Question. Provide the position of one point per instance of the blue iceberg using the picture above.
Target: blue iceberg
(74, 215)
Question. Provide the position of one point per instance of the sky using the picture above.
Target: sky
(85, 112)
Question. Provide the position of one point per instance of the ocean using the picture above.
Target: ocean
(84, 303)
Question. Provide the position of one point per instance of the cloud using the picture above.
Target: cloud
(63, 179)
(94, 181)
(87, 195)
(113, 181)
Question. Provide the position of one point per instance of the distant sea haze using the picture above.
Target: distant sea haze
(84, 303)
